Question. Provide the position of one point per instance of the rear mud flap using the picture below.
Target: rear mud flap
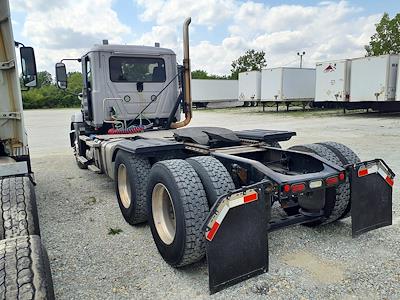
(371, 196)
(236, 237)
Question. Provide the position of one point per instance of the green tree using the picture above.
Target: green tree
(44, 78)
(252, 60)
(47, 95)
(201, 74)
(386, 40)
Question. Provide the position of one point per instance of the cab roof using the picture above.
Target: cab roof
(132, 49)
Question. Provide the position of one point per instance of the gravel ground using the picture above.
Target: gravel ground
(77, 208)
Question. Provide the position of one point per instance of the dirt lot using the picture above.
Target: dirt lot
(77, 209)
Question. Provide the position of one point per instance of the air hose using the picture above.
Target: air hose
(130, 130)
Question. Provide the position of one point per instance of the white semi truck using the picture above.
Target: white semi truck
(207, 190)
(25, 270)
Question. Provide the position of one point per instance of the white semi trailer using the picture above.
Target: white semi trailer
(359, 83)
(398, 83)
(287, 85)
(215, 93)
(373, 78)
(250, 87)
(332, 82)
(25, 270)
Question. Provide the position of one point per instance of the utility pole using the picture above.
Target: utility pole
(301, 58)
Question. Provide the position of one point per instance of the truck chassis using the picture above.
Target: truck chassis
(238, 218)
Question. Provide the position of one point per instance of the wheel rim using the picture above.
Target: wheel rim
(163, 213)
(124, 189)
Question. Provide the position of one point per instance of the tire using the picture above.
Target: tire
(183, 191)
(214, 176)
(24, 269)
(336, 200)
(18, 211)
(79, 149)
(131, 190)
(347, 157)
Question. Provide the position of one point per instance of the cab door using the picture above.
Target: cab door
(87, 88)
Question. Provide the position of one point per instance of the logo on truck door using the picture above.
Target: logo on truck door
(330, 68)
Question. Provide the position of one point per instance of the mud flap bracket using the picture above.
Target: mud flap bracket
(236, 236)
(371, 196)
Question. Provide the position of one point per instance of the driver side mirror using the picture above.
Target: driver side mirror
(61, 75)
(28, 65)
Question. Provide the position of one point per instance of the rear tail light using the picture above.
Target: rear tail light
(286, 188)
(332, 180)
(298, 187)
(294, 188)
(342, 176)
(362, 172)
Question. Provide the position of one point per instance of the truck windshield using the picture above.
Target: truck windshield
(136, 69)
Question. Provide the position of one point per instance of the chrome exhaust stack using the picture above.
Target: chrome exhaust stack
(187, 97)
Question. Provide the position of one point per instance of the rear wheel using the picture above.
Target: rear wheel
(346, 157)
(336, 199)
(177, 206)
(213, 175)
(131, 175)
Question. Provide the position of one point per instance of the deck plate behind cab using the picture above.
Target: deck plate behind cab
(263, 135)
(207, 136)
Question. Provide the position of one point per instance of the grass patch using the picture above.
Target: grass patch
(114, 231)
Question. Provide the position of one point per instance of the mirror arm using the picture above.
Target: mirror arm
(18, 44)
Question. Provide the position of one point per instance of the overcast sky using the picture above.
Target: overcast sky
(221, 30)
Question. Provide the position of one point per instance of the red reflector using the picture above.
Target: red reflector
(362, 172)
(342, 176)
(286, 188)
(389, 180)
(213, 231)
(298, 187)
(250, 198)
(332, 180)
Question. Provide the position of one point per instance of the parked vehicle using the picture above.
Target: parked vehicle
(25, 267)
(250, 87)
(373, 78)
(398, 83)
(333, 81)
(214, 92)
(208, 190)
(287, 84)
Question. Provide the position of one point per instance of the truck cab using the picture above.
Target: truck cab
(127, 82)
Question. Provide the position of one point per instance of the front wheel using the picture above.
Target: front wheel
(78, 146)
(178, 207)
